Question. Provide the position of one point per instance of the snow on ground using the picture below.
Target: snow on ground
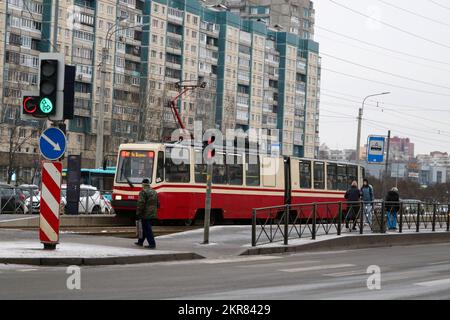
(28, 249)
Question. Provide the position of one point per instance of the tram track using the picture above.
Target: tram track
(125, 231)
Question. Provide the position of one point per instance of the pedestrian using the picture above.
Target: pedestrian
(353, 197)
(146, 210)
(367, 198)
(392, 208)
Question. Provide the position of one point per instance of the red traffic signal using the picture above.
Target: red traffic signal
(30, 105)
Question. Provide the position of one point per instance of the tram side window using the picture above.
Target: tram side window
(352, 173)
(220, 170)
(319, 175)
(305, 174)
(235, 171)
(342, 177)
(160, 168)
(363, 172)
(199, 168)
(332, 177)
(177, 167)
(253, 171)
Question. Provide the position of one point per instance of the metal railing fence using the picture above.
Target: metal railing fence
(297, 221)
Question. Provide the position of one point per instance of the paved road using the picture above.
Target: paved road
(411, 272)
(4, 217)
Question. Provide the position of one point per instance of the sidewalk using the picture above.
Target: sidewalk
(23, 247)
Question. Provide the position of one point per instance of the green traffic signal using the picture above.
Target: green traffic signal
(46, 106)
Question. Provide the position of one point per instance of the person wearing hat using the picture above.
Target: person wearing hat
(146, 210)
(392, 208)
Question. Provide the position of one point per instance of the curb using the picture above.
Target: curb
(355, 242)
(103, 261)
(29, 221)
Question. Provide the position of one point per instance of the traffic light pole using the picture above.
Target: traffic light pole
(207, 217)
(101, 111)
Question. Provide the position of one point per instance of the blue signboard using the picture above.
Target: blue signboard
(375, 149)
(52, 144)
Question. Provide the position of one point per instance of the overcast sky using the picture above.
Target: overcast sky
(424, 117)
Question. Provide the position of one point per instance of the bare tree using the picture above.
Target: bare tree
(10, 117)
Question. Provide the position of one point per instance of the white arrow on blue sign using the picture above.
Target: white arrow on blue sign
(52, 144)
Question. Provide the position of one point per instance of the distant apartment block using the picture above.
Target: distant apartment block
(257, 76)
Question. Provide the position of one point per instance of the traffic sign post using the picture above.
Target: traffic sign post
(50, 204)
(375, 149)
(52, 144)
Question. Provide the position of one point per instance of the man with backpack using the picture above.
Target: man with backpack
(367, 198)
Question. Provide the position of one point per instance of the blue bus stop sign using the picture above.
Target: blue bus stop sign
(375, 149)
(52, 144)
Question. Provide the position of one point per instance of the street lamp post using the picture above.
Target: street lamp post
(101, 107)
(360, 116)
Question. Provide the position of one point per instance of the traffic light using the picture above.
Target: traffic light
(29, 109)
(48, 87)
(30, 105)
(51, 85)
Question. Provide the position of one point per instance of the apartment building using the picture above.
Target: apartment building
(257, 76)
(295, 16)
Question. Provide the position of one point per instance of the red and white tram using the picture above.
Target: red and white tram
(237, 188)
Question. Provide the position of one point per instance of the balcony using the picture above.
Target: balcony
(83, 77)
(300, 88)
(210, 28)
(267, 108)
(89, 4)
(301, 66)
(242, 116)
(245, 37)
(243, 101)
(175, 15)
(244, 77)
(174, 45)
(298, 138)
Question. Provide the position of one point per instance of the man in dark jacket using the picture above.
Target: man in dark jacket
(353, 196)
(392, 208)
(146, 210)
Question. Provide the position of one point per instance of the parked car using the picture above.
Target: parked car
(411, 206)
(12, 199)
(35, 203)
(31, 192)
(91, 201)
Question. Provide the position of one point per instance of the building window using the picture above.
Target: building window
(305, 174)
(177, 167)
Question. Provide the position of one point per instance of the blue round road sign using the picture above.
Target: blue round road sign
(52, 144)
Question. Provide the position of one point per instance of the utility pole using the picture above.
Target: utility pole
(207, 217)
(360, 116)
(386, 169)
(101, 109)
(210, 156)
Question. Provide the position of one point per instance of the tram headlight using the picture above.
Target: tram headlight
(118, 197)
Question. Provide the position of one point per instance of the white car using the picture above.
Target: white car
(91, 201)
(35, 203)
